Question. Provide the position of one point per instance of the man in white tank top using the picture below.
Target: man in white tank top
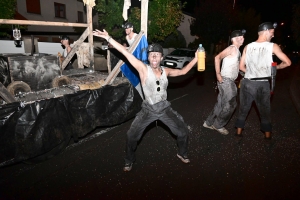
(226, 102)
(130, 34)
(256, 62)
(155, 106)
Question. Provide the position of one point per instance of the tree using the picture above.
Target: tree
(164, 16)
(175, 40)
(7, 11)
(296, 23)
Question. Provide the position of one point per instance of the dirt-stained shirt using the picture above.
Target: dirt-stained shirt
(230, 66)
(155, 89)
(258, 59)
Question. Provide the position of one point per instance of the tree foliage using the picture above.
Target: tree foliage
(7, 11)
(296, 23)
(164, 16)
(175, 40)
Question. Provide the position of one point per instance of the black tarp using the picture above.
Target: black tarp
(43, 128)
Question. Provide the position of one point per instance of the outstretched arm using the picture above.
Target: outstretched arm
(184, 70)
(137, 64)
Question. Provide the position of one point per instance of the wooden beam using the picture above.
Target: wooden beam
(144, 16)
(6, 96)
(90, 35)
(41, 23)
(75, 48)
(112, 76)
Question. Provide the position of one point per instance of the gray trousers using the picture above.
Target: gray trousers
(149, 113)
(259, 92)
(225, 106)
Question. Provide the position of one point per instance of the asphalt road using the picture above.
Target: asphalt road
(222, 167)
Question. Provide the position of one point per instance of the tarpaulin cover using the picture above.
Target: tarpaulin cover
(43, 128)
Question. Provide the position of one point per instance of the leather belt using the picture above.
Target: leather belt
(259, 79)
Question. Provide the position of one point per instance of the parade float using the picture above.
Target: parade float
(44, 106)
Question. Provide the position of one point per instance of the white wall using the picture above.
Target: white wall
(184, 28)
(48, 14)
(8, 46)
(50, 48)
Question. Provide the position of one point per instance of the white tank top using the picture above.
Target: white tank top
(152, 96)
(130, 41)
(230, 66)
(259, 59)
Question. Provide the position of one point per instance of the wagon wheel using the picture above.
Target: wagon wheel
(17, 87)
(60, 81)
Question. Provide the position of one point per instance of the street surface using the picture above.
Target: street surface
(222, 167)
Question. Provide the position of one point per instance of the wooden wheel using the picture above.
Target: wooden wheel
(60, 81)
(18, 87)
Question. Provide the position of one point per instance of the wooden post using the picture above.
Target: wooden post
(74, 49)
(4, 93)
(144, 17)
(90, 36)
(111, 77)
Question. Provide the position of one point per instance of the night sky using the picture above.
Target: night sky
(270, 10)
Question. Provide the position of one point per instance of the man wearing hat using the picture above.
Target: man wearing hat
(256, 62)
(130, 35)
(226, 101)
(155, 106)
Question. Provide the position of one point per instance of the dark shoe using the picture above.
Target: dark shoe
(268, 138)
(238, 135)
(269, 144)
(183, 158)
(128, 167)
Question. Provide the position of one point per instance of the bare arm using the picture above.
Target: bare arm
(184, 70)
(226, 52)
(285, 60)
(242, 61)
(137, 64)
(69, 49)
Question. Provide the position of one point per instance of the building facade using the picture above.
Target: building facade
(184, 28)
(72, 11)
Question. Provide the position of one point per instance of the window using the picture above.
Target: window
(80, 17)
(60, 10)
(33, 6)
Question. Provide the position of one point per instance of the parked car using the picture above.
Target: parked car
(178, 58)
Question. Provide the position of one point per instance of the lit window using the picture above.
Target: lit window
(60, 10)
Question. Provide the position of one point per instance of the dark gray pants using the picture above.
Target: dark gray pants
(225, 106)
(149, 113)
(259, 92)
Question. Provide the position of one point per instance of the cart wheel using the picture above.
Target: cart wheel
(60, 81)
(17, 87)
